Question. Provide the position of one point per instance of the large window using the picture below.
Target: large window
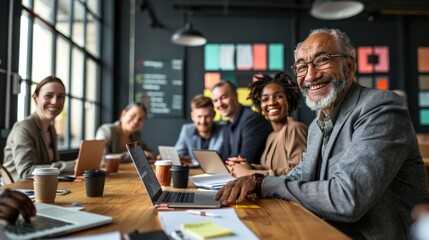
(62, 38)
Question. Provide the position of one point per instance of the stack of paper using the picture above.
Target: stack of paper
(226, 218)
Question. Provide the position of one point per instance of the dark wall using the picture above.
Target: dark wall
(398, 33)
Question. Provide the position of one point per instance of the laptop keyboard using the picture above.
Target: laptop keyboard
(179, 197)
(37, 224)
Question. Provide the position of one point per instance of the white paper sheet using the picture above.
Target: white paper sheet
(171, 221)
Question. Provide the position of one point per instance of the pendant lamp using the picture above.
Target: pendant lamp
(187, 36)
(335, 9)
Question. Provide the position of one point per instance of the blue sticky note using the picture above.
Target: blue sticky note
(276, 56)
(211, 57)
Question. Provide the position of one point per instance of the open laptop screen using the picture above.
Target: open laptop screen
(144, 170)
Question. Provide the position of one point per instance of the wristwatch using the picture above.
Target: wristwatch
(259, 177)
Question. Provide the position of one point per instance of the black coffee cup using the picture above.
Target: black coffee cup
(180, 176)
(94, 182)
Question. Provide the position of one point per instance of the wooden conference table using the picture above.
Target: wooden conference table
(126, 200)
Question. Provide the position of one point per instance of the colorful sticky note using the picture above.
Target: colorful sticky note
(243, 93)
(226, 60)
(383, 59)
(211, 57)
(423, 59)
(424, 116)
(382, 82)
(260, 56)
(210, 79)
(424, 82)
(424, 99)
(363, 64)
(244, 57)
(275, 54)
(231, 78)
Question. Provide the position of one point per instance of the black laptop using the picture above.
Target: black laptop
(170, 199)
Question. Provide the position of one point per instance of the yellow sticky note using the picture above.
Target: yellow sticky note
(205, 230)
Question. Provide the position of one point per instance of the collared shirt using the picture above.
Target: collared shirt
(205, 142)
(326, 124)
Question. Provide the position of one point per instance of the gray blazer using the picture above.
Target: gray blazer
(111, 132)
(372, 173)
(25, 149)
(189, 139)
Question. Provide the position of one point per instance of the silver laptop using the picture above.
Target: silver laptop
(168, 152)
(210, 161)
(169, 199)
(52, 220)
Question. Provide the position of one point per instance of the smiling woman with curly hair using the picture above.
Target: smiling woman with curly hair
(275, 98)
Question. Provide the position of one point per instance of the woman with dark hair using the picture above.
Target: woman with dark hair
(125, 130)
(33, 141)
(275, 98)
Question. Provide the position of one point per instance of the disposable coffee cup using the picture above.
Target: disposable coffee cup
(180, 176)
(112, 162)
(45, 184)
(163, 173)
(94, 182)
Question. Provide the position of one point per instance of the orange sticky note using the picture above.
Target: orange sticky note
(382, 83)
(260, 56)
(210, 79)
(423, 59)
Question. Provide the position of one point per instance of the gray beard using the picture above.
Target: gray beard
(338, 87)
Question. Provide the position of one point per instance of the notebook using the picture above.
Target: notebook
(52, 220)
(210, 161)
(217, 174)
(170, 199)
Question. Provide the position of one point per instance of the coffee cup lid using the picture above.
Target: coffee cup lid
(94, 173)
(46, 171)
(113, 156)
(163, 162)
(179, 168)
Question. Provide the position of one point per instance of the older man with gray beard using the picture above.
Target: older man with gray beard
(362, 171)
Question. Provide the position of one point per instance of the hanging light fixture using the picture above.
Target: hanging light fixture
(335, 9)
(187, 36)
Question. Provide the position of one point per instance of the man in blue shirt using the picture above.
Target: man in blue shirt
(203, 133)
(246, 131)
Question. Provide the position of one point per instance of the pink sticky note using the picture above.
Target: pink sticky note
(363, 65)
(383, 59)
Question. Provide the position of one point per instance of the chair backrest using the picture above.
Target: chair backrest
(5, 177)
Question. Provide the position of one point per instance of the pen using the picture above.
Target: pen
(177, 235)
(202, 213)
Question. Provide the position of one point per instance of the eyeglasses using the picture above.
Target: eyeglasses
(320, 62)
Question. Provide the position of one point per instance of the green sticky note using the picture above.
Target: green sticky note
(211, 57)
(424, 117)
(275, 56)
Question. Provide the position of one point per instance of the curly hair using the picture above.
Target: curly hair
(281, 78)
